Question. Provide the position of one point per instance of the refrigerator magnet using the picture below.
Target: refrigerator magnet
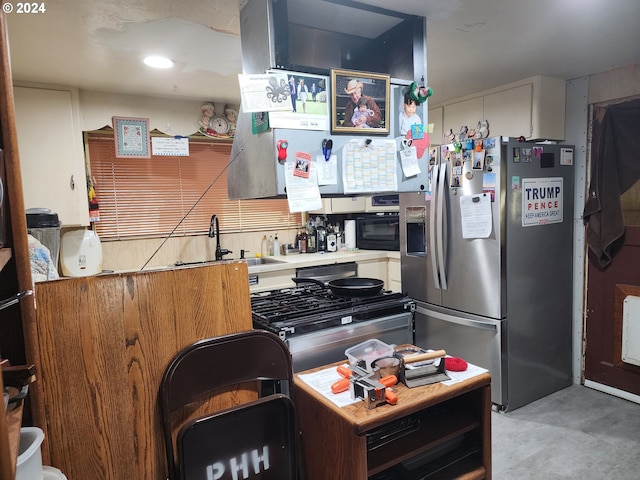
(515, 183)
(566, 156)
(455, 181)
(516, 155)
(478, 160)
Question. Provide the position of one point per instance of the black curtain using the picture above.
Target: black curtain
(615, 167)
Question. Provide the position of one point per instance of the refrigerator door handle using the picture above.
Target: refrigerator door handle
(467, 322)
(432, 225)
(440, 216)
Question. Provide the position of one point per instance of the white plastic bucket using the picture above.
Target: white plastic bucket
(52, 473)
(29, 464)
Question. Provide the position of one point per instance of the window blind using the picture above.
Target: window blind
(141, 198)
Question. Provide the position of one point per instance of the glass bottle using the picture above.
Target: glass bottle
(270, 245)
(302, 242)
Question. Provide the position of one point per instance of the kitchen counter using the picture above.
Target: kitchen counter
(278, 271)
(299, 260)
(371, 263)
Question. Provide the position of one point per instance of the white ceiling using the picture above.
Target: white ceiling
(472, 45)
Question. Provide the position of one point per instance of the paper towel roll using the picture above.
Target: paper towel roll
(350, 234)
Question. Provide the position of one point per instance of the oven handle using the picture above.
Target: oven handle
(466, 322)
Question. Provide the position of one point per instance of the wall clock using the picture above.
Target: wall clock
(220, 125)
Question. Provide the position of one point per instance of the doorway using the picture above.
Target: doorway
(613, 271)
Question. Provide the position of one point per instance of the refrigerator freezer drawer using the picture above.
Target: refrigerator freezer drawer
(477, 340)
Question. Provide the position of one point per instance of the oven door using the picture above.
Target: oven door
(325, 346)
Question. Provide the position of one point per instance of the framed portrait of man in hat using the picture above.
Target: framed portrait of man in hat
(360, 102)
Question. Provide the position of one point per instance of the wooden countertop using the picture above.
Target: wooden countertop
(410, 400)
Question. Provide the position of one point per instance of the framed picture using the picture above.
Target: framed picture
(359, 102)
(131, 136)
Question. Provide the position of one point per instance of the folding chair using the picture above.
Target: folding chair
(255, 439)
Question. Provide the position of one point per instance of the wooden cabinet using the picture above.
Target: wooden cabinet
(342, 205)
(51, 150)
(105, 342)
(433, 426)
(17, 322)
(533, 107)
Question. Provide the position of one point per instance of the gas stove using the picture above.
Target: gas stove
(310, 307)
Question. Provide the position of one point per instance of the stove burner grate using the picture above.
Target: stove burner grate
(311, 307)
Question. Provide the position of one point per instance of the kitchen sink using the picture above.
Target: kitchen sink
(260, 261)
(249, 261)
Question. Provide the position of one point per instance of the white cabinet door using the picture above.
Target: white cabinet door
(51, 153)
(374, 269)
(394, 274)
(466, 113)
(436, 116)
(509, 111)
(342, 205)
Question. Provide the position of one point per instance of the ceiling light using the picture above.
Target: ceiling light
(159, 62)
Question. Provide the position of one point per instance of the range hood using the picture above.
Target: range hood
(312, 37)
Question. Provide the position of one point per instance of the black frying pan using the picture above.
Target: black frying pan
(348, 287)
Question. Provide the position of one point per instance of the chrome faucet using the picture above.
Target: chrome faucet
(214, 231)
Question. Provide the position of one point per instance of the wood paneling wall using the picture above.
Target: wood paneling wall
(105, 342)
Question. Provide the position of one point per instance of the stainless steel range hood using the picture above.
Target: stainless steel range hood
(308, 36)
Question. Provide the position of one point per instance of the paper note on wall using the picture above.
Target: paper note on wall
(264, 93)
(475, 213)
(369, 167)
(303, 193)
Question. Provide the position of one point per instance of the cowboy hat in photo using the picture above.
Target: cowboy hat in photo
(353, 85)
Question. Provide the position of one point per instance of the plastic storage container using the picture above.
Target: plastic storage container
(44, 225)
(81, 253)
(29, 464)
(369, 351)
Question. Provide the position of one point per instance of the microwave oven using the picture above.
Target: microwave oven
(378, 231)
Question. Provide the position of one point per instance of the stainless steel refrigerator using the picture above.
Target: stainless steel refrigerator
(486, 253)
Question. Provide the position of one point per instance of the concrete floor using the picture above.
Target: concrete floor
(576, 433)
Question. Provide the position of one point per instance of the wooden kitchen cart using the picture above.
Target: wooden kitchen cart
(433, 428)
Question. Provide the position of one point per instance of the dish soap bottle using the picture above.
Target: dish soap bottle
(276, 246)
(264, 250)
(270, 245)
